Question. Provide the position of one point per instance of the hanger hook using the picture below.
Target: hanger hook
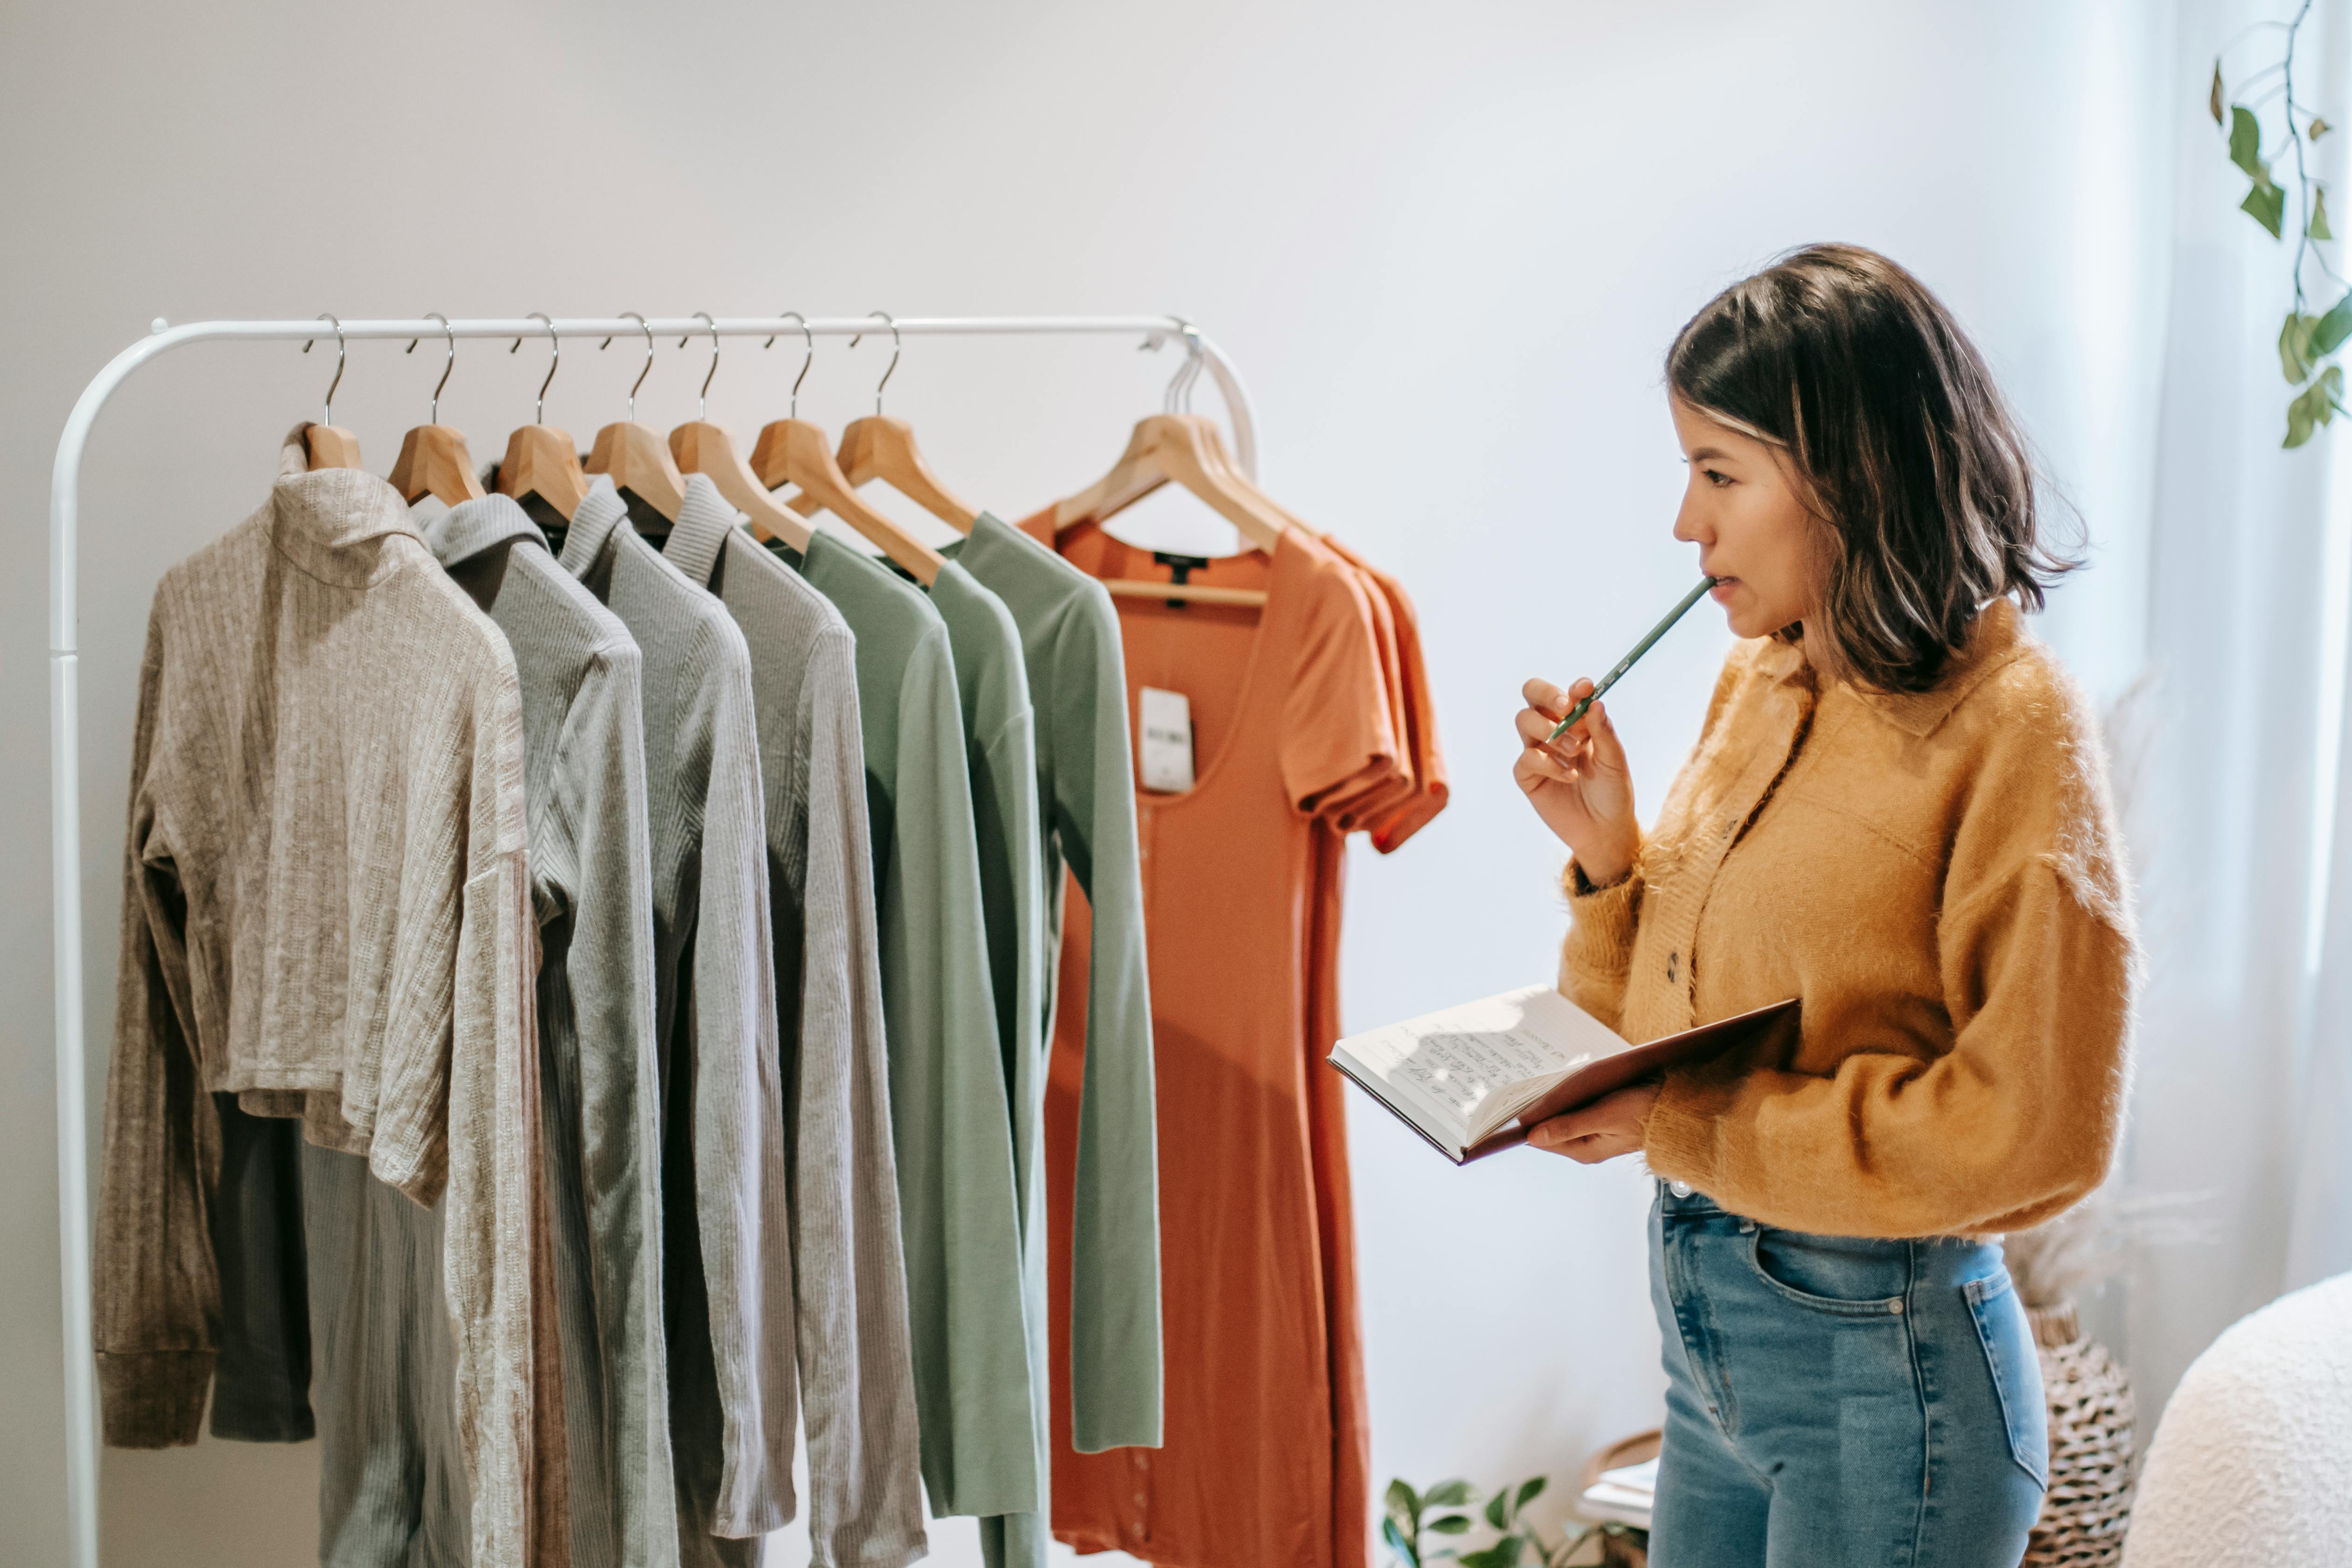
(434, 416)
(702, 398)
(893, 355)
(807, 337)
(1178, 397)
(648, 332)
(327, 409)
(554, 358)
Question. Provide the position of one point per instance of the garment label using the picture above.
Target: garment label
(1167, 741)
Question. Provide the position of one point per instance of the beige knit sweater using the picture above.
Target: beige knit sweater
(326, 914)
(1937, 876)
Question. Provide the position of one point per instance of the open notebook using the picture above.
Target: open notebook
(1473, 1078)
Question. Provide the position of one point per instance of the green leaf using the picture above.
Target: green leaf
(2317, 227)
(2266, 205)
(1528, 1492)
(2246, 145)
(1503, 1553)
(1446, 1494)
(2213, 99)
(1494, 1506)
(1398, 1544)
(1451, 1524)
(2332, 329)
(2319, 128)
(1403, 1502)
(2294, 348)
(2313, 407)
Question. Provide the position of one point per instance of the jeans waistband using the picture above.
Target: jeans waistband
(1680, 1200)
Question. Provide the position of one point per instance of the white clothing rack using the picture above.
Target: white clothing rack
(65, 720)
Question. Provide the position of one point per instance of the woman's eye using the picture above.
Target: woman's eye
(1717, 478)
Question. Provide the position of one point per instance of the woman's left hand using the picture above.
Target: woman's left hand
(1609, 1127)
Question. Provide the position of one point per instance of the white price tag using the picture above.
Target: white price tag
(1167, 741)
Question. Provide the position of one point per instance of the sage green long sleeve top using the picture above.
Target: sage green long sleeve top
(1001, 744)
(950, 1117)
(1078, 690)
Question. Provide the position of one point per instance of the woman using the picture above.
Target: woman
(1897, 811)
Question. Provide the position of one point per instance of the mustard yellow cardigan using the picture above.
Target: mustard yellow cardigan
(1938, 875)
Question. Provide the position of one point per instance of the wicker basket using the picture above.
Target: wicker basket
(2088, 1506)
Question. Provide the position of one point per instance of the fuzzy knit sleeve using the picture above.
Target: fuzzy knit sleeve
(1599, 952)
(2020, 1116)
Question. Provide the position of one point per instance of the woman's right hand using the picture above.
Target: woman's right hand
(1579, 784)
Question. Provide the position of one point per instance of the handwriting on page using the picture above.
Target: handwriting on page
(1459, 1071)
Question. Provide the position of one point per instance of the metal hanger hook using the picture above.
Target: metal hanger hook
(702, 398)
(648, 332)
(327, 409)
(806, 360)
(1177, 399)
(554, 358)
(434, 416)
(893, 355)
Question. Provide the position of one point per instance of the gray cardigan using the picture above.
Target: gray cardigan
(728, 1272)
(865, 1502)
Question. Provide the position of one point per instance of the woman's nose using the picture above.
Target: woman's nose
(1690, 526)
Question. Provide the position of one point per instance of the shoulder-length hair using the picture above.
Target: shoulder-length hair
(1901, 445)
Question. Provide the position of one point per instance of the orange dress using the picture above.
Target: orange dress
(1266, 1461)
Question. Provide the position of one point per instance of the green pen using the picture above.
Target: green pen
(1625, 664)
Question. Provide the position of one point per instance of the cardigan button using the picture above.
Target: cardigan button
(1894, 1305)
(1679, 1188)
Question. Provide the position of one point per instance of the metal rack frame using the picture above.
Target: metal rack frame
(65, 718)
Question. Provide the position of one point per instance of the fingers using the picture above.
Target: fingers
(1585, 1149)
(1605, 751)
(1545, 697)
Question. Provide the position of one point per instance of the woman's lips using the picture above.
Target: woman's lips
(1721, 592)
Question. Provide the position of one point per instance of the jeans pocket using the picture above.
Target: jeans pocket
(2016, 1369)
(1846, 1276)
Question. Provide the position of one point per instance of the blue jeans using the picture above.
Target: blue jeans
(1831, 1400)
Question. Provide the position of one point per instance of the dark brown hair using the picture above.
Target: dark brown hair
(1900, 444)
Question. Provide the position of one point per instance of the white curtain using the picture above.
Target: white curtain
(2233, 769)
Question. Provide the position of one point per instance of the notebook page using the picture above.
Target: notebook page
(1477, 1064)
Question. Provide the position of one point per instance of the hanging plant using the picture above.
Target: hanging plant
(2306, 342)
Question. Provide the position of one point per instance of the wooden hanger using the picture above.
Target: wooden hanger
(632, 455)
(433, 456)
(702, 447)
(880, 448)
(1175, 447)
(541, 459)
(326, 443)
(792, 451)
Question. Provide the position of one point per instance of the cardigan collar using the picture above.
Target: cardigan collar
(592, 522)
(335, 523)
(701, 529)
(469, 528)
(1995, 637)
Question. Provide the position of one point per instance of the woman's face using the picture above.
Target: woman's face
(1754, 536)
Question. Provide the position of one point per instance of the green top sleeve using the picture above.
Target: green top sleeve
(950, 1122)
(1078, 682)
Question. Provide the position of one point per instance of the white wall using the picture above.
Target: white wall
(1447, 246)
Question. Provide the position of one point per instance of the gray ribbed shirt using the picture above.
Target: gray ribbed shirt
(326, 912)
(865, 1502)
(728, 1277)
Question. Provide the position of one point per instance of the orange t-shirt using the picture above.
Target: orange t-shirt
(1266, 1450)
